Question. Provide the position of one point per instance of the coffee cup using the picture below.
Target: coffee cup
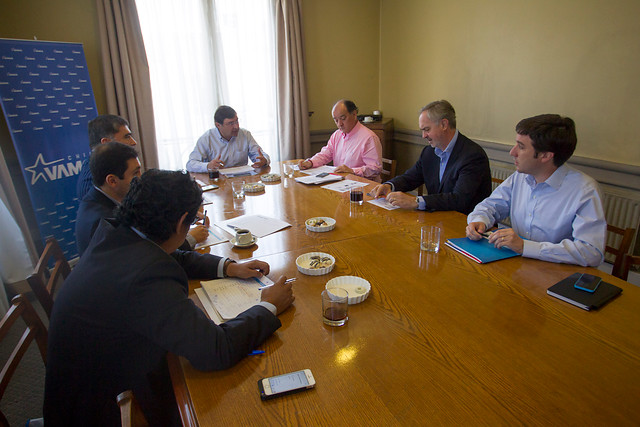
(243, 236)
(368, 119)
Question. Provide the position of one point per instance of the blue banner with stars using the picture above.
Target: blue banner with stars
(47, 100)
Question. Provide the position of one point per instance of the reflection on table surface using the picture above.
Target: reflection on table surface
(440, 339)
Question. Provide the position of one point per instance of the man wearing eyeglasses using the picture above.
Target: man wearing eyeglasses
(226, 145)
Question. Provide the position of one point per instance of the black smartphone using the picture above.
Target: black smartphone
(281, 385)
(587, 282)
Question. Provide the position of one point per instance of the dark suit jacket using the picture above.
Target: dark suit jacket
(465, 183)
(92, 209)
(122, 308)
(85, 182)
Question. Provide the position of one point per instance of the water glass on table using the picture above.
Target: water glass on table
(288, 170)
(430, 238)
(214, 173)
(356, 195)
(335, 306)
(238, 189)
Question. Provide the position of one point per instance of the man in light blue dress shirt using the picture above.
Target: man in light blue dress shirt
(226, 145)
(556, 211)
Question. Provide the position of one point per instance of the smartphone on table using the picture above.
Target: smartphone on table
(587, 282)
(281, 385)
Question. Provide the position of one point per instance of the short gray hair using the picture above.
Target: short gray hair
(438, 110)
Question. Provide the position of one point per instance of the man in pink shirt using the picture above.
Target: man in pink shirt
(353, 148)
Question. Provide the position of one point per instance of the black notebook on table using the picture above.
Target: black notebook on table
(565, 291)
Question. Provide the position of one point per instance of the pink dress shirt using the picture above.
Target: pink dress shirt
(359, 149)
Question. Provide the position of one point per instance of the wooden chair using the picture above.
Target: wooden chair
(131, 414)
(43, 281)
(495, 182)
(621, 251)
(627, 262)
(35, 329)
(387, 174)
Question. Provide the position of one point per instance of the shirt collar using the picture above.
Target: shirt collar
(554, 181)
(447, 151)
(218, 135)
(353, 131)
(117, 203)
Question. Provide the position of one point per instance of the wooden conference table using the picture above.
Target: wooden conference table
(440, 339)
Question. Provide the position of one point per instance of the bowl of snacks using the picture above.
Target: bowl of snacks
(357, 287)
(315, 263)
(253, 187)
(320, 224)
(270, 177)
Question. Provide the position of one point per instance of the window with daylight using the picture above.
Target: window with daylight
(204, 53)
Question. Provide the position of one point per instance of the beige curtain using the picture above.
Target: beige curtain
(293, 125)
(127, 82)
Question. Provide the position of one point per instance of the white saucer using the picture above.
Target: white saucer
(237, 245)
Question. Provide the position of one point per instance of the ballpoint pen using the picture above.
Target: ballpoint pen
(293, 279)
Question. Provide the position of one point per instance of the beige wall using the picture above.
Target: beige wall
(60, 20)
(501, 60)
(342, 55)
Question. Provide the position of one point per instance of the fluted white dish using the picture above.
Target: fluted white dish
(331, 224)
(357, 287)
(304, 264)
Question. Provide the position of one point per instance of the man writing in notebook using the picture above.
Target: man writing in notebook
(125, 305)
(555, 211)
(454, 169)
(226, 145)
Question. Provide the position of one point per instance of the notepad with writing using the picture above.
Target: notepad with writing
(231, 296)
(565, 291)
(481, 251)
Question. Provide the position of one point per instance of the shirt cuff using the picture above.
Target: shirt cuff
(269, 306)
(422, 205)
(531, 249)
(221, 264)
(393, 187)
(191, 240)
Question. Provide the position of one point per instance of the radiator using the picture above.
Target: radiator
(621, 208)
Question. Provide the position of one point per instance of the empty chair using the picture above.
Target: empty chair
(619, 253)
(35, 330)
(627, 262)
(131, 414)
(389, 173)
(43, 281)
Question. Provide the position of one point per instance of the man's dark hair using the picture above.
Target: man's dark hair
(110, 158)
(156, 201)
(438, 110)
(224, 112)
(550, 133)
(105, 126)
(349, 105)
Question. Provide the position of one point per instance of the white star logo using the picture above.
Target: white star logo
(39, 173)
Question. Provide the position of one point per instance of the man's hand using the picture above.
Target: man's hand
(507, 237)
(343, 169)
(248, 269)
(261, 160)
(381, 190)
(475, 230)
(305, 164)
(405, 201)
(199, 233)
(215, 164)
(280, 295)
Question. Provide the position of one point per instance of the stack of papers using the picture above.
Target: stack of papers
(314, 179)
(238, 171)
(213, 238)
(319, 169)
(224, 299)
(344, 186)
(383, 203)
(481, 251)
(258, 225)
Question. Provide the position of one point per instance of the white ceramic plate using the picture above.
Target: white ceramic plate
(238, 245)
(304, 264)
(329, 225)
(357, 287)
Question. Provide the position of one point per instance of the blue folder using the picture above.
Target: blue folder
(481, 251)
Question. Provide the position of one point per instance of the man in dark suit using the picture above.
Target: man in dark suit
(125, 305)
(454, 169)
(113, 166)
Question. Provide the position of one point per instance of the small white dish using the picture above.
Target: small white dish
(357, 287)
(304, 264)
(270, 177)
(253, 187)
(233, 241)
(329, 224)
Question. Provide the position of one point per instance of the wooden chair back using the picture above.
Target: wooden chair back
(495, 182)
(43, 281)
(627, 262)
(131, 414)
(388, 169)
(35, 330)
(621, 251)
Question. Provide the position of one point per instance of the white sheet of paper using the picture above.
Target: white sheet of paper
(312, 179)
(238, 171)
(214, 237)
(208, 198)
(259, 225)
(208, 308)
(319, 169)
(231, 296)
(344, 186)
(383, 203)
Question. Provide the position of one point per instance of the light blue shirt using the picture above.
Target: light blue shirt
(560, 219)
(444, 158)
(233, 153)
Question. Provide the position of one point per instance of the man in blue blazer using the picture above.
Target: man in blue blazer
(125, 305)
(454, 169)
